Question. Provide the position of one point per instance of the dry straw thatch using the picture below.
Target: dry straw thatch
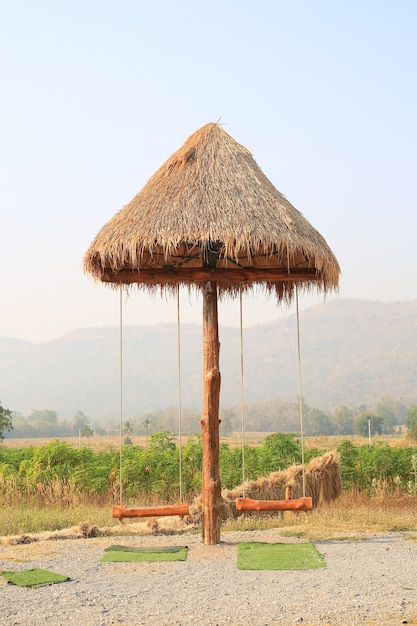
(323, 484)
(210, 206)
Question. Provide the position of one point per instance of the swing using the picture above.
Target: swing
(288, 504)
(119, 511)
(300, 504)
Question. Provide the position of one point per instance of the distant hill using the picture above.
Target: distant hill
(353, 352)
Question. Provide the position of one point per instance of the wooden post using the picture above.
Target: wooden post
(211, 486)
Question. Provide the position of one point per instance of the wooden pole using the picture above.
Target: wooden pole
(211, 485)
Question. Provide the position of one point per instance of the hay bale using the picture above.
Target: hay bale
(323, 484)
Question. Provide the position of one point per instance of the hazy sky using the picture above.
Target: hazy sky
(95, 96)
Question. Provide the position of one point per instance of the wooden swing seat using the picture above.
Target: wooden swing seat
(298, 504)
(120, 512)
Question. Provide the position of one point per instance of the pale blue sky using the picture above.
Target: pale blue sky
(96, 95)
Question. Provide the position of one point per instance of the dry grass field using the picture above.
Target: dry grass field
(97, 443)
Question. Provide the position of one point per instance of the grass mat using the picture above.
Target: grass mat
(34, 578)
(278, 556)
(119, 554)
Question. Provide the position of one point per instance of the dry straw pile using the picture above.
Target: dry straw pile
(323, 484)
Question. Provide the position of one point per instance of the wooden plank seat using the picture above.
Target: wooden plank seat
(298, 504)
(120, 512)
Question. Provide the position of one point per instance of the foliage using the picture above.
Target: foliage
(150, 473)
(376, 467)
(263, 416)
(5, 421)
(344, 419)
(392, 412)
(59, 474)
(279, 451)
(366, 422)
(411, 423)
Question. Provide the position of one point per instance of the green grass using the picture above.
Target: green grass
(278, 556)
(34, 578)
(122, 554)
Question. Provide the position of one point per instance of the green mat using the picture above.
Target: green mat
(119, 554)
(34, 578)
(278, 556)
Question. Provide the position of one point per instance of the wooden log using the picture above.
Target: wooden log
(223, 276)
(211, 485)
(300, 504)
(120, 512)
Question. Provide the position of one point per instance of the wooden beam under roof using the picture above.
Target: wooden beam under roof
(233, 276)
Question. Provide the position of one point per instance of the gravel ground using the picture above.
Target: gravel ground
(366, 582)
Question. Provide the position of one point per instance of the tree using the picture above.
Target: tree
(5, 421)
(226, 423)
(128, 428)
(79, 421)
(344, 418)
(366, 419)
(411, 423)
(280, 450)
(127, 431)
(45, 422)
(87, 431)
(147, 423)
(319, 423)
(163, 441)
(393, 413)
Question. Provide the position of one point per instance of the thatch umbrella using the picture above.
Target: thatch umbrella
(209, 218)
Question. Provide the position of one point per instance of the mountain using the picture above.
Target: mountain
(352, 352)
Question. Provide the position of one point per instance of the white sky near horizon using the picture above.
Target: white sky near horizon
(95, 96)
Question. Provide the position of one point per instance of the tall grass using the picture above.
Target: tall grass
(353, 515)
(57, 486)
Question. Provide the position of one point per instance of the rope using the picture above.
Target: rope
(179, 390)
(121, 389)
(299, 388)
(242, 391)
(300, 393)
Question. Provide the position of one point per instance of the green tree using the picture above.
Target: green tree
(163, 440)
(226, 423)
(349, 463)
(319, 423)
(365, 419)
(127, 431)
(87, 431)
(411, 423)
(146, 424)
(128, 428)
(79, 421)
(344, 419)
(45, 422)
(392, 412)
(280, 450)
(5, 421)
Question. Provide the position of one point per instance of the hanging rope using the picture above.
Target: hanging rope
(242, 396)
(179, 390)
(300, 393)
(121, 389)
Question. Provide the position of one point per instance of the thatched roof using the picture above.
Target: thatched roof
(209, 213)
